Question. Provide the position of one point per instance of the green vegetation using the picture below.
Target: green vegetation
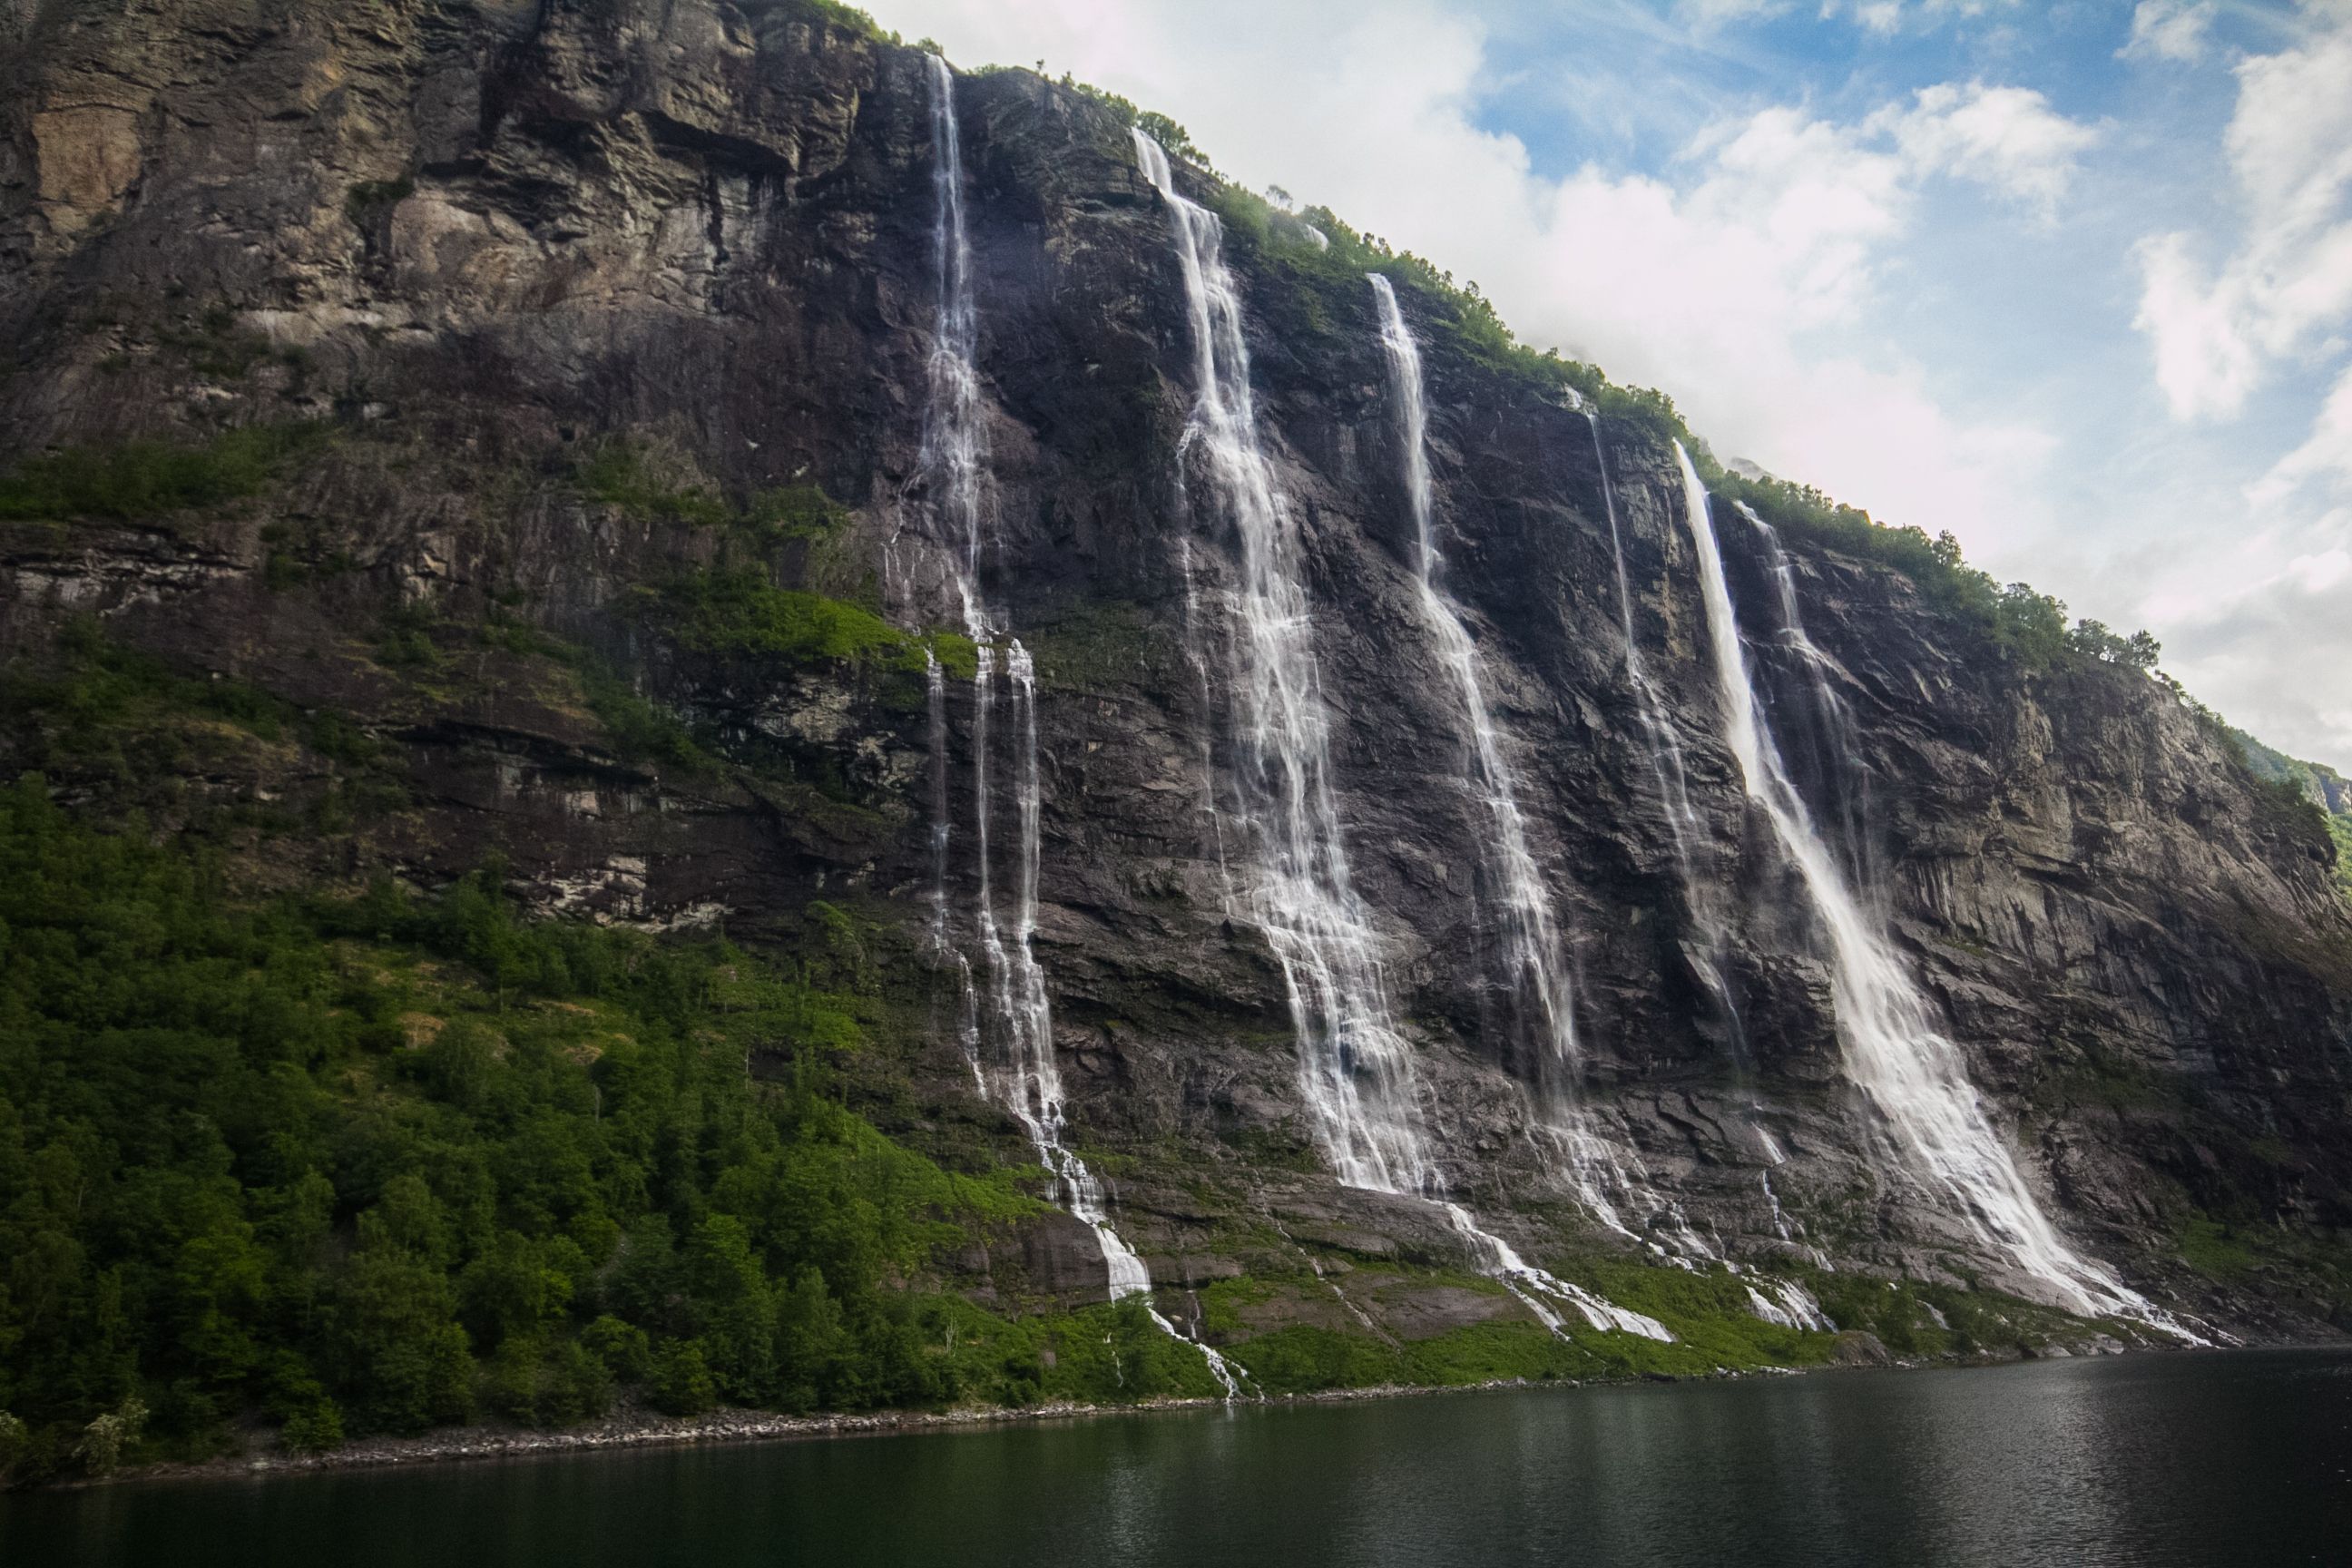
(2300, 788)
(641, 731)
(849, 17)
(1173, 138)
(2213, 1248)
(372, 1163)
(629, 476)
(619, 474)
(740, 611)
(137, 480)
(120, 719)
(1102, 644)
(2030, 627)
(2316, 782)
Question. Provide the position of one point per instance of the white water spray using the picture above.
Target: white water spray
(1533, 943)
(1024, 1075)
(1912, 1075)
(1825, 735)
(954, 444)
(1532, 1285)
(1355, 1072)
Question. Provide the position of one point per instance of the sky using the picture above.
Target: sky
(2072, 279)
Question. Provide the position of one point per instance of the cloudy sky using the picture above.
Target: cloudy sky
(2070, 278)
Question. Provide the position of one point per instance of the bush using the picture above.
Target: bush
(138, 480)
(14, 1440)
(316, 1430)
(1173, 138)
(623, 1347)
(681, 1384)
(2093, 640)
(103, 1440)
(740, 611)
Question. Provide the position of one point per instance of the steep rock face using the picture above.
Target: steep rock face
(479, 245)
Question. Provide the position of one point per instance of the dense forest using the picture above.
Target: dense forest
(371, 1163)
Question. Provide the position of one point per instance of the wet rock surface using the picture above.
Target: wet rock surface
(480, 245)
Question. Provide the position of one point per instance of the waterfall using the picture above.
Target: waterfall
(1022, 1073)
(954, 444)
(1531, 1284)
(1355, 1071)
(1824, 724)
(1911, 1073)
(1533, 944)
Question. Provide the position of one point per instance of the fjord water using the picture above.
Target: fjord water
(2194, 1458)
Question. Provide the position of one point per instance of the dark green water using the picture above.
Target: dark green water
(2193, 1459)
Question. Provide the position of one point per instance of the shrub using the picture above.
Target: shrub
(134, 480)
(14, 1440)
(315, 1430)
(740, 611)
(681, 1384)
(103, 1440)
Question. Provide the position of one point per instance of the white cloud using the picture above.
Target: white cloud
(1887, 17)
(1708, 14)
(2286, 283)
(2007, 139)
(2168, 30)
(1745, 286)
(2206, 361)
(2259, 628)
(2325, 457)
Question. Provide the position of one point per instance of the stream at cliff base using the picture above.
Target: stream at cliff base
(2188, 1459)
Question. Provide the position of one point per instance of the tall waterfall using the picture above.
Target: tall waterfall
(954, 449)
(1355, 1072)
(1824, 736)
(1018, 1069)
(1912, 1074)
(1532, 941)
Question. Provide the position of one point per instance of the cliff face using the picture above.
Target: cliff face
(534, 287)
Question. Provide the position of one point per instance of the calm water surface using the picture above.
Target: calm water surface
(2243, 1458)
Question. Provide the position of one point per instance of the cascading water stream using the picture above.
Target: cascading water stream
(1532, 940)
(1911, 1073)
(1825, 725)
(1023, 1073)
(1355, 1070)
(954, 449)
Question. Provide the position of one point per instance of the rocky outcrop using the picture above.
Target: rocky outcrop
(473, 252)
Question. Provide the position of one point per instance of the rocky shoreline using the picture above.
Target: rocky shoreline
(639, 1427)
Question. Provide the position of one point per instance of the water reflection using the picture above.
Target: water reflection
(2176, 1459)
